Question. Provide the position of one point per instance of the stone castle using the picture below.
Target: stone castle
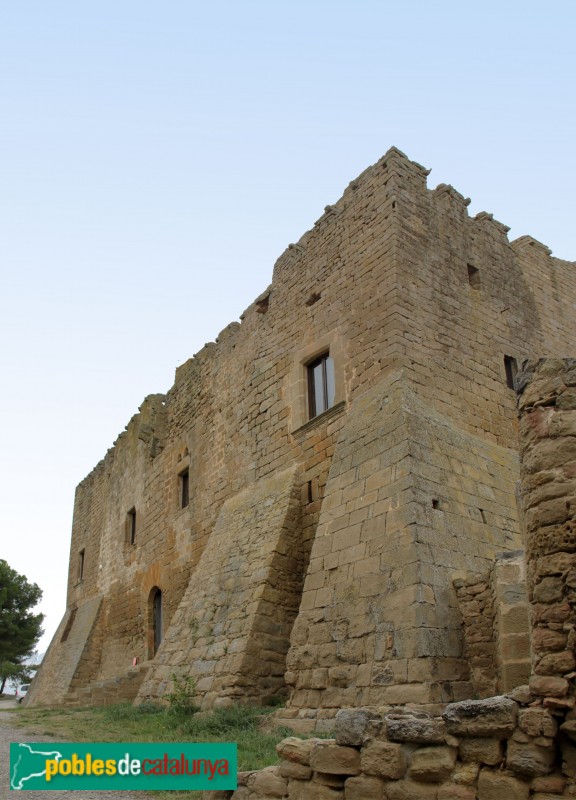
(325, 506)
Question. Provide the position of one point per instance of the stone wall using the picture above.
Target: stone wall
(405, 484)
(476, 604)
(476, 750)
(379, 621)
(515, 746)
(548, 438)
(233, 624)
(511, 621)
(494, 608)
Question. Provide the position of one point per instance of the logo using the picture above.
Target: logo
(115, 766)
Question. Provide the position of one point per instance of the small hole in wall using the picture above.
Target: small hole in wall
(483, 515)
(436, 504)
(314, 297)
(262, 305)
(473, 276)
(309, 494)
(393, 203)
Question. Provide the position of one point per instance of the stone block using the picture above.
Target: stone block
(556, 663)
(268, 782)
(497, 786)
(537, 722)
(549, 783)
(521, 694)
(410, 790)
(292, 769)
(545, 685)
(466, 774)
(352, 725)
(450, 791)
(335, 759)
(527, 758)
(298, 750)
(544, 640)
(364, 787)
(483, 751)
(408, 693)
(308, 790)
(419, 729)
(493, 718)
(384, 759)
(432, 764)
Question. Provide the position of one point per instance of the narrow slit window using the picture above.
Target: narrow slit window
(157, 619)
(321, 386)
(184, 488)
(81, 555)
(131, 526)
(309, 493)
(511, 368)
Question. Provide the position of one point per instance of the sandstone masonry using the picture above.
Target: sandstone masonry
(517, 746)
(337, 557)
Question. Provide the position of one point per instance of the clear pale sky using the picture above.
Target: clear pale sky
(157, 157)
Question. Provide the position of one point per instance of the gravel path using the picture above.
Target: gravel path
(11, 733)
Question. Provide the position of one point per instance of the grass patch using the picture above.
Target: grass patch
(249, 727)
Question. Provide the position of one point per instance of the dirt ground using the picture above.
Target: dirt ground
(11, 733)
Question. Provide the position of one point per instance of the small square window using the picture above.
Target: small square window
(184, 488)
(321, 387)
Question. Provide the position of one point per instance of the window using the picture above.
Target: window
(321, 389)
(184, 488)
(81, 565)
(131, 526)
(157, 618)
(316, 388)
(511, 367)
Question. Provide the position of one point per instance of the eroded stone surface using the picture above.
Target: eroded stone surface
(493, 717)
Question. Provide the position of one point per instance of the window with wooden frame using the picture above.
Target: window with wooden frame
(321, 386)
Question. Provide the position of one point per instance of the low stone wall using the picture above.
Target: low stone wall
(502, 748)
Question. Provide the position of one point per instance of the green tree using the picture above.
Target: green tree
(20, 629)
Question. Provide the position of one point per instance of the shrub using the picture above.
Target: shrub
(181, 698)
